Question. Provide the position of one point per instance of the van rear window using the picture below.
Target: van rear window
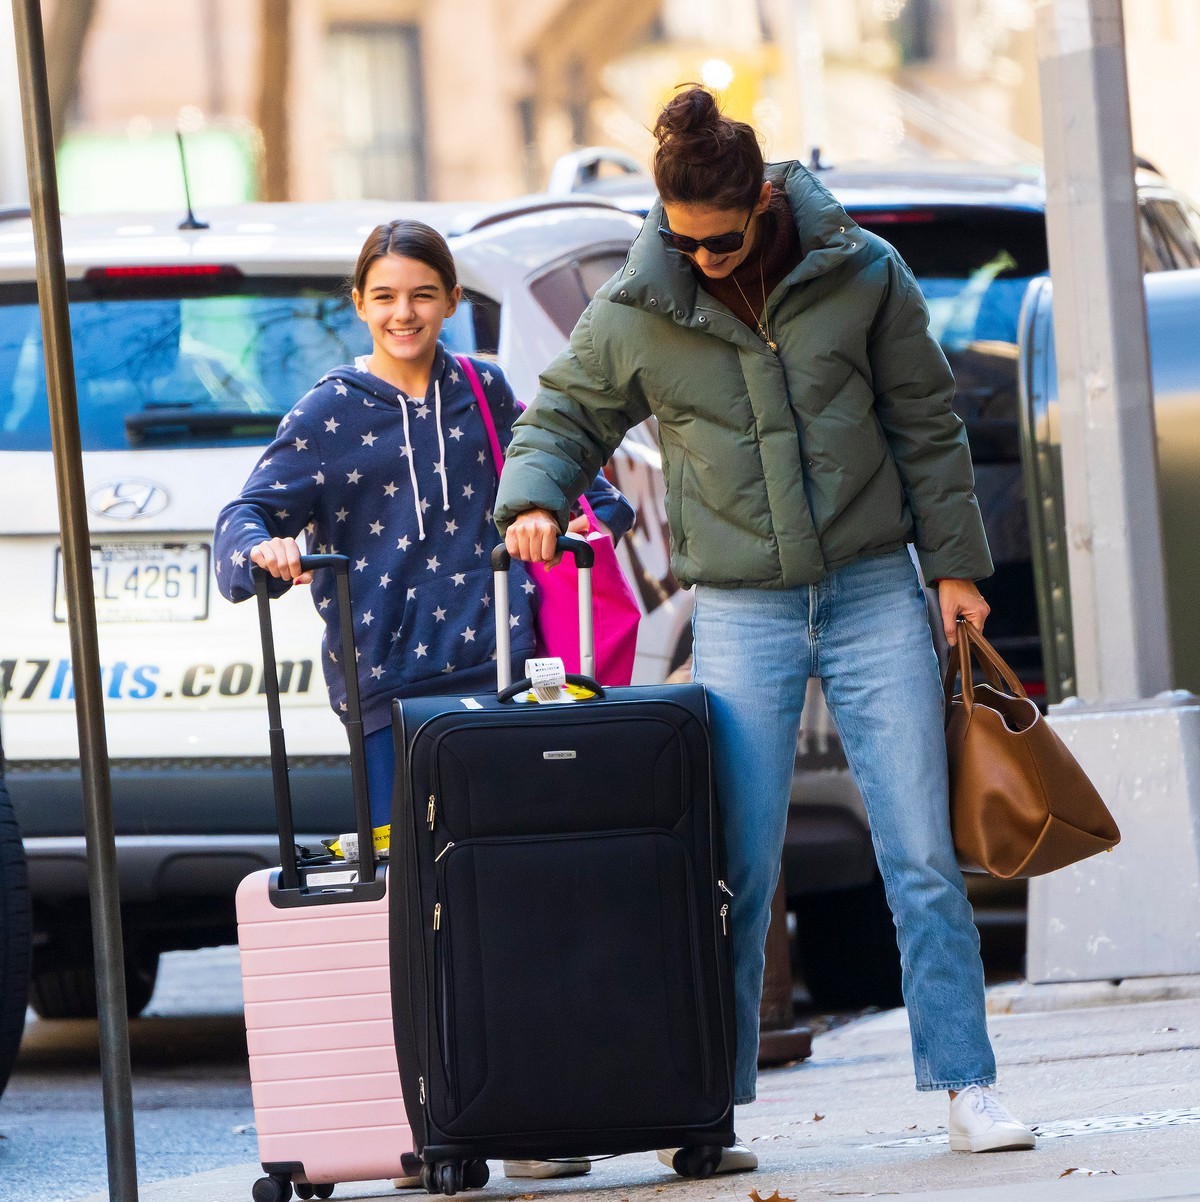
(183, 366)
(973, 265)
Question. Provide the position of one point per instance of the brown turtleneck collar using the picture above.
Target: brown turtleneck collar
(778, 253)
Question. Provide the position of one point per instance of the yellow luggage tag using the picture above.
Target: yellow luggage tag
(346, 846)
(549, 679)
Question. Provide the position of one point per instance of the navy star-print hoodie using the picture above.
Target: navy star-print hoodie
(405, 487)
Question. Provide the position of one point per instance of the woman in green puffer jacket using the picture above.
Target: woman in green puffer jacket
(804, 415)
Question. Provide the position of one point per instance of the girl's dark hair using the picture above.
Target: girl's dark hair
(704, 157)
(409, 240)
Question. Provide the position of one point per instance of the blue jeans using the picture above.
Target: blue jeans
(864, 632)
(381, 768)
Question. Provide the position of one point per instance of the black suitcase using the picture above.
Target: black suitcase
(561, 965)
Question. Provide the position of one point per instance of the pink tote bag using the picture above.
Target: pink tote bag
(613, 602)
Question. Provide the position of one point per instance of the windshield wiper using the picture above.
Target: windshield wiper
(183, 421)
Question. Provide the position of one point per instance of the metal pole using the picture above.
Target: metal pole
(81, 614)
(1109, 455)
(1133, 913)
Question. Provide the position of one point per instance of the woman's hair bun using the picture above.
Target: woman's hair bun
(704, 157)
(689, 114)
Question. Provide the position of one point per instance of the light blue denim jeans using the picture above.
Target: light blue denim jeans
(864, 631)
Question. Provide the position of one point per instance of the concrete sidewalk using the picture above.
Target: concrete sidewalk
(1110, 1076)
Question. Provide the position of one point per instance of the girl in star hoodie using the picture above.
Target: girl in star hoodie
(387, 461)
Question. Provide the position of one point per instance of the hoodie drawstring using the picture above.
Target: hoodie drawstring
(412, 471)
(440, 467)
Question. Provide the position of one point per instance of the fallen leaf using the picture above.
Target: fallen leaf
(817, 1118)
(1088, 1173)
(755, 1196)
(1165, 1030)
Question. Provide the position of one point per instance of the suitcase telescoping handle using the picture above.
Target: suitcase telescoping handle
(585, 557)
(288, 876)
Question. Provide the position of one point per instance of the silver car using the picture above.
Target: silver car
(189, 347)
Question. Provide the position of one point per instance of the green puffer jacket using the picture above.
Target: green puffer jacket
(779, 467)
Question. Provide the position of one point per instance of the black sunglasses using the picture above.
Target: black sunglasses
(716, 244)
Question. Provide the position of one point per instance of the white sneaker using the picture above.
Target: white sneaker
(735, 1159)
(573, 1166)
(979, 1123)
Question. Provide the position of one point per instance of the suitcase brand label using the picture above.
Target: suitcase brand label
(558, 755)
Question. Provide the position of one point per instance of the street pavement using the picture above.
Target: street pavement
(1109, 1074)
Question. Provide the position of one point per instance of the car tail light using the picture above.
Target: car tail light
(163, 272)
(871, 217)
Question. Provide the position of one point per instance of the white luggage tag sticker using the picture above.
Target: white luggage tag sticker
(549, 678)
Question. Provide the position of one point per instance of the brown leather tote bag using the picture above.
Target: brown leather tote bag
(1020, 805)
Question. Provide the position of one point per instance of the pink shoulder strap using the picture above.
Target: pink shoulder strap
(485, 411)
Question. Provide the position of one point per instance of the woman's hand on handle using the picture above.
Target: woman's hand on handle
(280, 557)
(533, 537)
(961, 597)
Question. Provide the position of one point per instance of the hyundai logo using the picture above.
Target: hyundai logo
(127, 499)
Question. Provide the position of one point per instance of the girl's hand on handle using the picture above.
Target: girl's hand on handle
(281, 557)
(533, 537)
(961, 597)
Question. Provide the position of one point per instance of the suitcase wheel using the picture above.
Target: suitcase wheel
(475, 1174)
(442, 1177)
(449, 1176)
(696, 1162)
(271, 1189)
(305, 1191)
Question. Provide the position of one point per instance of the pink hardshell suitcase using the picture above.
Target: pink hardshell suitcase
(315, 978)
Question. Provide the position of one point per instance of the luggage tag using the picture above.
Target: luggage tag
(549, 679)
(548, 676)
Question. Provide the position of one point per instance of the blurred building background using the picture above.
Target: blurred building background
(464, 99)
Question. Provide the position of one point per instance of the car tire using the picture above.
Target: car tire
(69, 990)
(846, 942)
(16, 937)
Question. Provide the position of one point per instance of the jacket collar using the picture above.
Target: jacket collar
(661, 281)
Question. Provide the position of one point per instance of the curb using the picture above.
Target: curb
(1022, 997)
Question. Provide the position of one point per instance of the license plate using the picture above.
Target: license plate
(144, 582)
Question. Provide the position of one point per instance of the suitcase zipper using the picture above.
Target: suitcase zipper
(446, 1007)
(723, 913)
(432, 810)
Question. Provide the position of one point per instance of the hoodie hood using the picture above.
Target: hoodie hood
(358, 380)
